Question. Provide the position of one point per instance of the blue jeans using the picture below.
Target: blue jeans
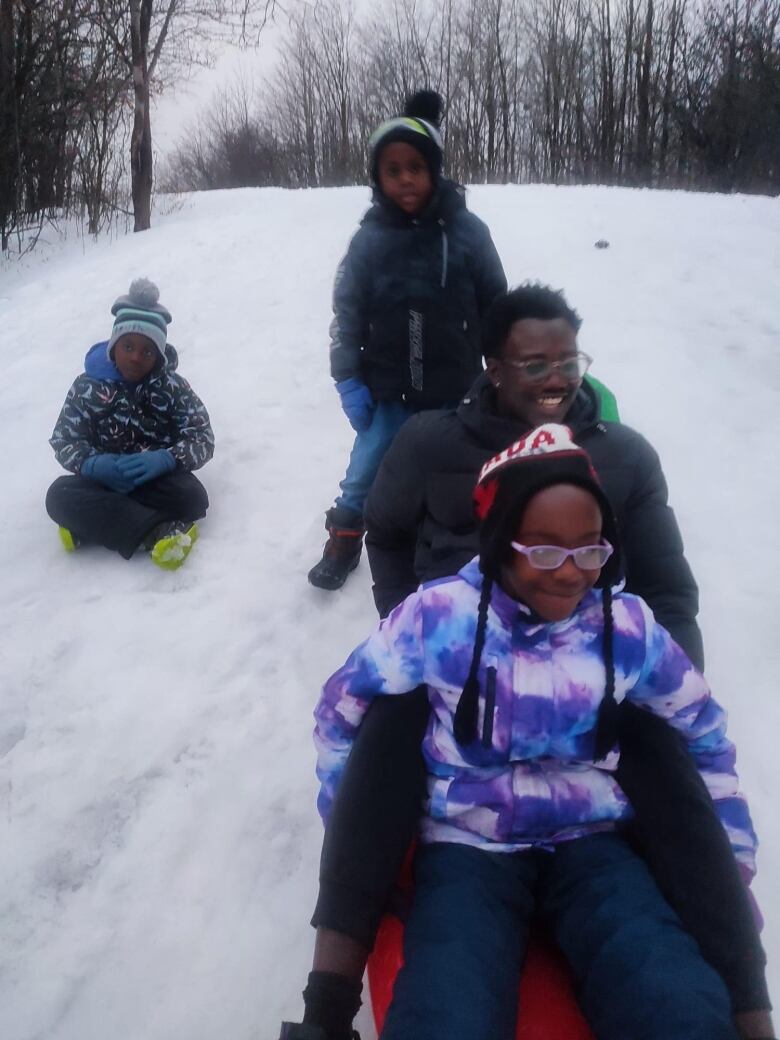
(638, 975)
(368, 451)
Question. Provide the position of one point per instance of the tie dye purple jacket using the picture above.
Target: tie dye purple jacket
(530, 778)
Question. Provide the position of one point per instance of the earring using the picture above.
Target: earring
(497, 384)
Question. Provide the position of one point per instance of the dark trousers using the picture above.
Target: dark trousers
(375, 815)
(97, 515)
(638, 974)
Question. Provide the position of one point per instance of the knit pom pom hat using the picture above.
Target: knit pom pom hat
(140, 311)
(418, 126)
(506, 483)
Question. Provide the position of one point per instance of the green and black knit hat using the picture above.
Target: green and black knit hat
(418, 126)
(140, 311)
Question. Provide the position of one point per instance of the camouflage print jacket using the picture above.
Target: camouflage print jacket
(102, 413)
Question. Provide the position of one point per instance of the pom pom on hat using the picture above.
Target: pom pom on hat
(425, 104)
(140, 311)
(144, 292)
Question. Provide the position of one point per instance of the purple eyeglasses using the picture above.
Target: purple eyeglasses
(550, 557)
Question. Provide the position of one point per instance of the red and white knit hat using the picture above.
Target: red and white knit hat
(547, 455)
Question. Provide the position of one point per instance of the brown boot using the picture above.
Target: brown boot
(342, 549)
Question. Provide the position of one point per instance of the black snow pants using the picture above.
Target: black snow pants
(97, 515)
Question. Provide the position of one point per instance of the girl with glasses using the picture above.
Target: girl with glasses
(526, 654)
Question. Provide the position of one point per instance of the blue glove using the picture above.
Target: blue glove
(146, 465)
(104, 468)
(357, 402)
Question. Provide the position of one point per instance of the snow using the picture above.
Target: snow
(157, 823)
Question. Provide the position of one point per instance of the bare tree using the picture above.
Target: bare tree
(159, 40)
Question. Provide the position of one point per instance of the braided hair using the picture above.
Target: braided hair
(607, 719)
(546, 456)
(467, 712)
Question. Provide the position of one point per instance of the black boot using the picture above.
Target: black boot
(342, 549)
(303, 1031)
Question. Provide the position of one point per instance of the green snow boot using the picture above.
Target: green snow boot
(170, 543)
(69, 541)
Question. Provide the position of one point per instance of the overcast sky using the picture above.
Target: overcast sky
(172, 113)
(177, 108)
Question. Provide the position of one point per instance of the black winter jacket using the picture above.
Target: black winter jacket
(409, 297)
(420, 523)
(102, 413)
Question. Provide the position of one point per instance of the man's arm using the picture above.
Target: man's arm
(671, 688)
(392, 515)
(656, 568)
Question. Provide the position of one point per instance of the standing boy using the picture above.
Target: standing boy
(408, 301)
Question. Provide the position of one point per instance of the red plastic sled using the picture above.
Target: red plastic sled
(548, 1010)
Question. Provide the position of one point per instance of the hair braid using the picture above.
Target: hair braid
(466, 714)
(607, 720)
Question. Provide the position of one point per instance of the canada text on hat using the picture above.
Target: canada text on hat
(549, 439)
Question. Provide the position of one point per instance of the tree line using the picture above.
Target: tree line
(670, 93)
(682, 93)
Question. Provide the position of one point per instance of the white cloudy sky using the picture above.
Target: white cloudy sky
(177, 108)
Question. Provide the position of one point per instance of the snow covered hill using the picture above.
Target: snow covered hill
(158, 837)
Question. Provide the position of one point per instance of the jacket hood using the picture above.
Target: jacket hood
(477, 411)
(448, 199)
(98, 366)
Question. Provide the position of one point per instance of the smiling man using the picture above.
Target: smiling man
(419, 517)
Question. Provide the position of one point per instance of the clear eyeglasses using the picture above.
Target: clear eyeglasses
(536, 370)
(550, 557)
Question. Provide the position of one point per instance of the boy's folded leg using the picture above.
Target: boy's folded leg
(93, 513)
(178, 495)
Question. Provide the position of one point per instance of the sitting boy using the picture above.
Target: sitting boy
(132, 431)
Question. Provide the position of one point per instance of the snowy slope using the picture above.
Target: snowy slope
(157, 825)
